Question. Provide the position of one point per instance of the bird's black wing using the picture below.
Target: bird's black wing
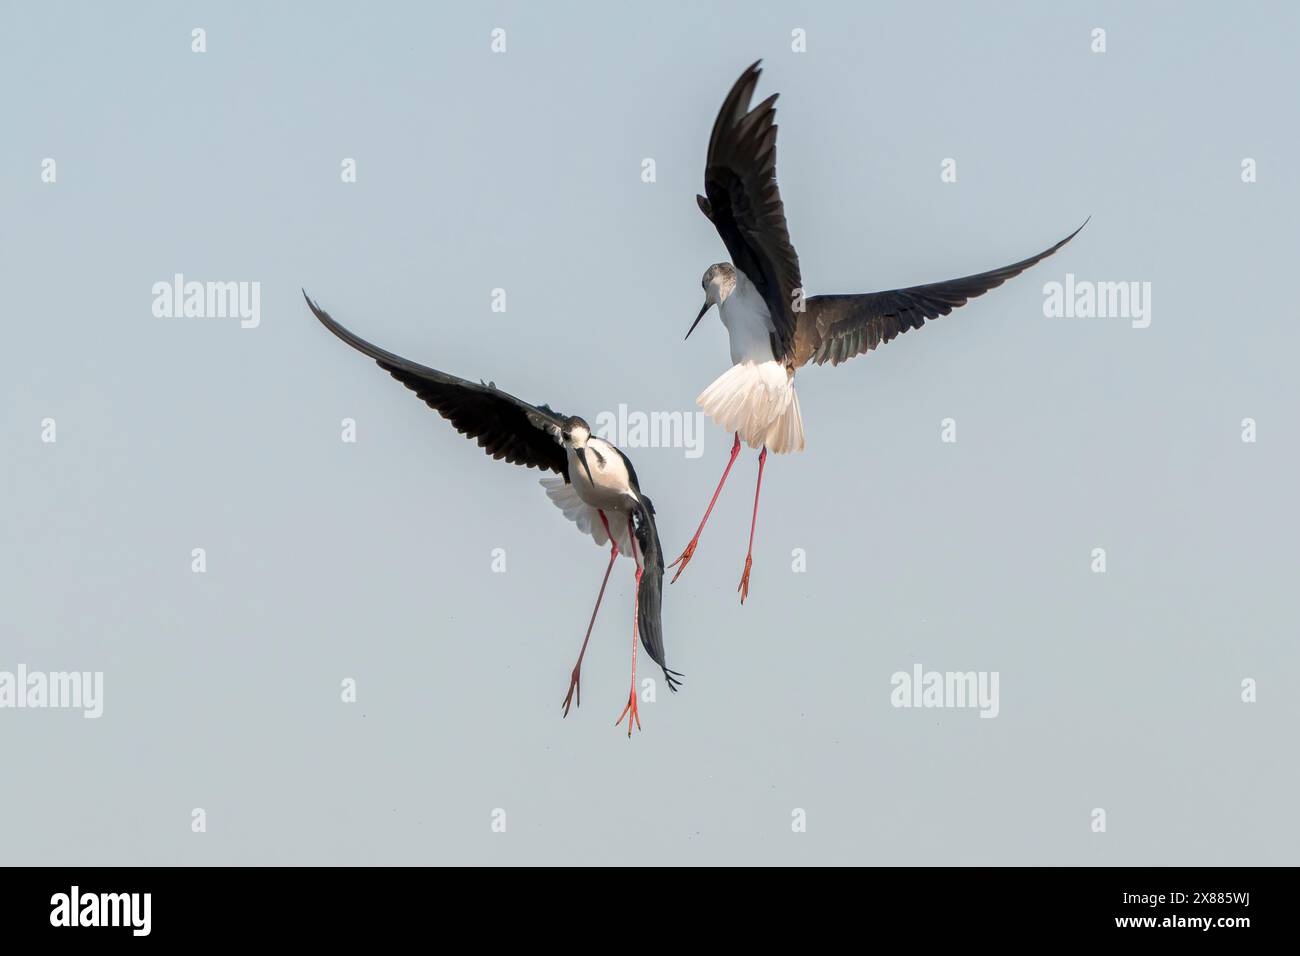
(745, 206)
(631, 472)
(835, 328)
(506, 428)
(650, 592)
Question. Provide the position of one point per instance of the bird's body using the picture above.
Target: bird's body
(746, 318)
(772, 327)
(611, 488)
(755, 398)
(608, 482)
(594, 486)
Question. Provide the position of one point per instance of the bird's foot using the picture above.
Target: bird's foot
(634, 716)
(743, 588)
(684, 560)
(575, 686)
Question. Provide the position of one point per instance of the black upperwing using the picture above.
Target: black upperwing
(835, 328)
(745, 205)
(505, 427)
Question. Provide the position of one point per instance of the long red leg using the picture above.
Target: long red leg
(685, 558)
(575, 684)
(631, 697)
(749, 557)
(636, 606)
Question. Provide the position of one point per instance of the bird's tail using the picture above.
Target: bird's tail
(650, 592)
(757, 401)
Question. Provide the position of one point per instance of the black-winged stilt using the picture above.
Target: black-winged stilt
(773, 328)
(596, 487)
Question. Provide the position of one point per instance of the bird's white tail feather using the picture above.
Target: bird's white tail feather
(584, 515)
(757, 400)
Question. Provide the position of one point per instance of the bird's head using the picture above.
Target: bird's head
(576, 432)
(575, 435)
(719, 282)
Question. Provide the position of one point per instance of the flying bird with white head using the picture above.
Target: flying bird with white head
(772, 326)
(594, 485)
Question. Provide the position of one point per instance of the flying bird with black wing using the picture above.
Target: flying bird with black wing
(772, 327)
(594, 485)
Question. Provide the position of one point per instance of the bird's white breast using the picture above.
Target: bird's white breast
(610, 486)
(748, 323)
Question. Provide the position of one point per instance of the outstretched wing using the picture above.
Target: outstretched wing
(835, 328)
(745, 206)
(650, 592)
(506, 428)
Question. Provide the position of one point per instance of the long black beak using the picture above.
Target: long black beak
(582, 460)
(703, 309)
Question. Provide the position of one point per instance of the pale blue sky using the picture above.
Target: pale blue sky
(522, 171)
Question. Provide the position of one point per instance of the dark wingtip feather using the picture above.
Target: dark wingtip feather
(1048, 252)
